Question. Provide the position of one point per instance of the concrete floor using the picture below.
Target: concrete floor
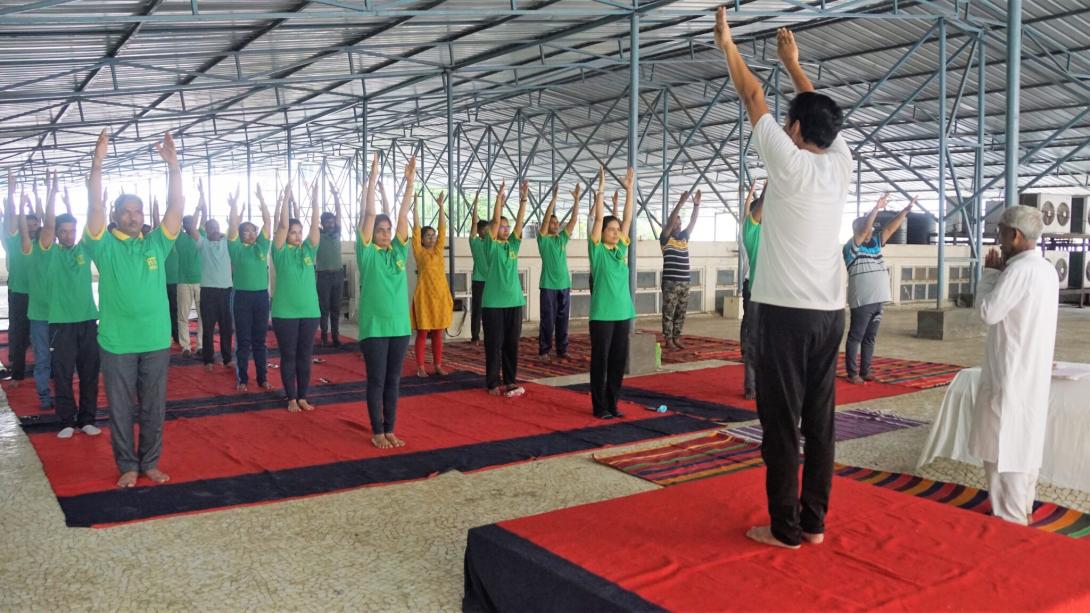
(396, 547)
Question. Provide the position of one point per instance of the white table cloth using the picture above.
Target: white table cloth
(1066, 461)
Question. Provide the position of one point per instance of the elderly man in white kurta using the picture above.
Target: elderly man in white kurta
(1018, 299)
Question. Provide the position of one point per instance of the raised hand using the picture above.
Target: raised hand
(994, 260)
(260, 197)
(101, 147)
(882, 202)
(722, 29)
(524, 191)
(696, 199)
(601, 180)
(911, 203)
(786, 48)
(166, 149)
(577, 192)
(200, 191)
(629, 179)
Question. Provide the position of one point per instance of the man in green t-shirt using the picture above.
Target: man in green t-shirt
(18, 286)
(555, 283)
(37, 260)
(751, 242)
(329, 271)
(73, 322)
(478, 247)
(133, 333)
(189, 284)
(503, 301)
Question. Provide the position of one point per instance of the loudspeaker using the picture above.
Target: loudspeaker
(1055, 209)
(1061, 261)
(1079, 271)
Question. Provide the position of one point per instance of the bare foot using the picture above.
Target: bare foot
(293, 406)
(475, 343)
(265, 386)
(813, 538)
(229, 365)
(157, 475)
(763, 535)
(306, 406)
(208, 367)
(545, 358)
(497, 391)
(439, 370)
(127, 480)
(856, 380)
(241, 387)
(15, 383)
(380, 441)
(393, 440)
(420, 372)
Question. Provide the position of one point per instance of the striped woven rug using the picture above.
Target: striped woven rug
(918, 375)
(720, 454)
(850, 424)
(1046, 515)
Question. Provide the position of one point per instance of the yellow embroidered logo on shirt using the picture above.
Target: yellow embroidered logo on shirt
(307, 261)
(79, 259)
(153, 263)
(401, 264)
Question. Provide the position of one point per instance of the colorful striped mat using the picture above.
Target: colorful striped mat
(919, 375)
(850, 424)
(1046, 515)
(720, 454)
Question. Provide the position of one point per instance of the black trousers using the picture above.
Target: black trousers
(502, 330)
(796, 385)
(18, 333)
(330, 291)
(475, 314)
(252, 321)
(383, 357)
(172, 313)
(608, 357)
(74, 349)
(216, 310)
(295, 337)
(750, 333)
(555, 312)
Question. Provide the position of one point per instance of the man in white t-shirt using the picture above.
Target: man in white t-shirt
(800, 290)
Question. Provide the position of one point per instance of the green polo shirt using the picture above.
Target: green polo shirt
(132, 290)
(37, 268)
(189, 259)
(383, 278)
(70, 285)
(478, 247)
(554, 261)
(501, 285)
(250, 263)
(172, 267)
(17, 280)
(610, 300)
(296, 295)
(751, 241)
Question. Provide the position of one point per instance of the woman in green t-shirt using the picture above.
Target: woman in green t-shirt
(249, 251)
(384, 322)
(503, 301)
(611, 308)
(295, 302)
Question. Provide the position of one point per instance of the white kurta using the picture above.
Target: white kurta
(1009, 419)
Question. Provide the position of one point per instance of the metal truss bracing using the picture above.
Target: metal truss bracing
(542, 89)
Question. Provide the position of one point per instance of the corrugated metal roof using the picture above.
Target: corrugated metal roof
(244, 72)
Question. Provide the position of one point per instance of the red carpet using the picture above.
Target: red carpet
(226, 456)
(683, 548)
(718, 393)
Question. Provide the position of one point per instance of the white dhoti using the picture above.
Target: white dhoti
(1011, 494)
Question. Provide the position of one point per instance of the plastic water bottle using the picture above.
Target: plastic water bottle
(660, 409)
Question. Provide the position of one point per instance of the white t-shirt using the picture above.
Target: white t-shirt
(801, 265)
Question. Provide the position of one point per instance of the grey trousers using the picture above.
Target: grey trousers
(136, 392)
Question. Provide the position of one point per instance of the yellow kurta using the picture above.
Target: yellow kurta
(432, 302)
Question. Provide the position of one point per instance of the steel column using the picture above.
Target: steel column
(1014, 76)
(633, 138)
(451, 219)
(977, 227)
(665, 177)
(941, 241)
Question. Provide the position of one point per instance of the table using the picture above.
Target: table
(1066, 461)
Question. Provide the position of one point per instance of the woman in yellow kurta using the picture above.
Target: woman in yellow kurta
(432, 301)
